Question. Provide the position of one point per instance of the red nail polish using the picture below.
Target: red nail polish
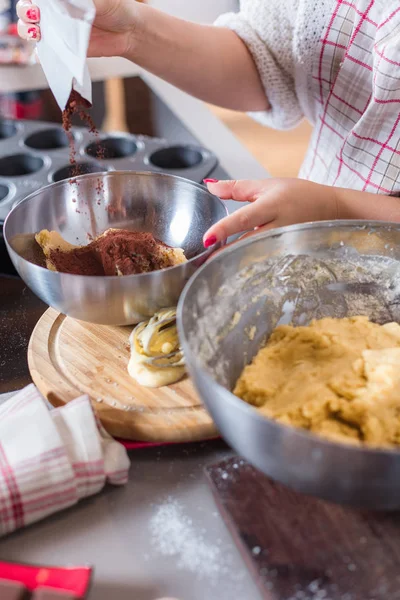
(210, 180)
(32, 32)
(32, 14)
(210, 241)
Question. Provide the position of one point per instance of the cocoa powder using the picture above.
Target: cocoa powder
(115, 252)
(82, 261)
(77, 105)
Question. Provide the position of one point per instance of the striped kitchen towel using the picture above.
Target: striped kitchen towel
(51, 459)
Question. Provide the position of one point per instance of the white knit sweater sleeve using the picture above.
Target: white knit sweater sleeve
(274, 32)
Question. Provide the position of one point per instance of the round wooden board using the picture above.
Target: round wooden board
(68, 358)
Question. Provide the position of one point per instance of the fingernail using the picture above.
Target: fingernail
(32, 33)
(210, 241)
(210, 180)
(32, 14)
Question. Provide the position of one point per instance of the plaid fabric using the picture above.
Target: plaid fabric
(356, 83)
(51, 459)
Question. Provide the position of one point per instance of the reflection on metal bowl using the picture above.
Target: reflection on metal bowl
(293, 274)
(174, 210)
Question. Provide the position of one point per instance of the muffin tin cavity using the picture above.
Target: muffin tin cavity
(112, 148)
(47, 139)
(4, 191)
(81, 168)
(7, 129)
(35, 153)
(17, 165)
(176, 157)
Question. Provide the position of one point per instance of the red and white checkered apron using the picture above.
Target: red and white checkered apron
(356, 141)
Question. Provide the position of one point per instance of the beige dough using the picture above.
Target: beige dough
(156, 356)
(154, 378)
(339, 378)
(50, 240)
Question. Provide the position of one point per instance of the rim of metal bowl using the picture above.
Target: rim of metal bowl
(237, 402)
(56, 184)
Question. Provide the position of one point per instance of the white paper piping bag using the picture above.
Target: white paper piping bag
(65, 27)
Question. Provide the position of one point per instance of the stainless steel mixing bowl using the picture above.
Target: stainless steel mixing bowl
(175, 210)
(293, 274)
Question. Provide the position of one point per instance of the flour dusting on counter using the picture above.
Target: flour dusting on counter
(174, 534)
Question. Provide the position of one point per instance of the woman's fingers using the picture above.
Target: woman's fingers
(29, 16)
(240, 190)
(28, 12)
(28, 31)
(258, 230)
(258, 214)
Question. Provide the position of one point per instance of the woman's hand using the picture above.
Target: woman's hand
(280, 202)
(274, 203)
(113, 28)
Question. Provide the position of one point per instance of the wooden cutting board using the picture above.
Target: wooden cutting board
(301, 548)
(68, 358)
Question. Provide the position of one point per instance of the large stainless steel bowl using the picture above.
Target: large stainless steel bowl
(294, 274)
(175, 210)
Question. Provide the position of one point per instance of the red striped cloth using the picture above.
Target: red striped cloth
(49, 460)
(355, 143)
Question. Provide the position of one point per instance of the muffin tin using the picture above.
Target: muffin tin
(34, 154)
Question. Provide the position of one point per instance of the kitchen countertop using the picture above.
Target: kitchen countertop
(160, 535)
(190, 557)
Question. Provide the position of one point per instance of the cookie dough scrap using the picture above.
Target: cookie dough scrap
(156, 354)
(338, 378)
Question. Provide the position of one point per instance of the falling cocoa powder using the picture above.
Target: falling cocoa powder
(77, 105)
(101, 151)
